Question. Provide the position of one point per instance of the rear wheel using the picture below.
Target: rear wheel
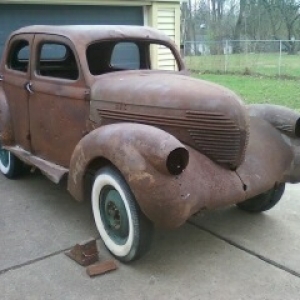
(10, 165)
(263, 201)
(124, 229)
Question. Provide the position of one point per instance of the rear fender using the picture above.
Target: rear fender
(6, 132)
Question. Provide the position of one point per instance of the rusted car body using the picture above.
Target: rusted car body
(176, 145)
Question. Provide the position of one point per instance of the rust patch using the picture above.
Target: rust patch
(79, 165)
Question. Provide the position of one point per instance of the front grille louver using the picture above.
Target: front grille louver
(216, 136)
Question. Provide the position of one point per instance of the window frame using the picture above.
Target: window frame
(11, 51)
(69, 50)
(144, 55)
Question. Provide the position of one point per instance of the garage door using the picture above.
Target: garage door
(15, 16)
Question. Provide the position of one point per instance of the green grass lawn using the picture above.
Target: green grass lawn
(269, 64)
(259, 89)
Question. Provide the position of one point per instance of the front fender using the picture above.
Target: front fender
(6, 132)
(135, 149)
(282, 118)
(140, 152)
(287, 124)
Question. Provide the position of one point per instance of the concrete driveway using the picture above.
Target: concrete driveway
(225, 254)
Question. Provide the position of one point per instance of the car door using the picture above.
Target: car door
(58, 101)
(15, 79)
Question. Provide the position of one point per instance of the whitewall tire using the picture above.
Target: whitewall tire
(124, 229)
(10, 165)
(5, 161)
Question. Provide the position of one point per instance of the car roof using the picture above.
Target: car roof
(90, 33)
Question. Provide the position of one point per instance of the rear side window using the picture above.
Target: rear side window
(57, 60)
(111, 56)
(18, 58)
(118, 55)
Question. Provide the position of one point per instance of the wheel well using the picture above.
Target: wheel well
(90, 172)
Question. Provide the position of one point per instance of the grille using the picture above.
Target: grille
(216, 136)
(213, 134)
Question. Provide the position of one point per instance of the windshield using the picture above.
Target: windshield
(112, 56)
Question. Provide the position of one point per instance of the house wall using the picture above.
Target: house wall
(161, 14)
(165, 16)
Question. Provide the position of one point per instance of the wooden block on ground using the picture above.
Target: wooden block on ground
(85, 253)
(101, 268)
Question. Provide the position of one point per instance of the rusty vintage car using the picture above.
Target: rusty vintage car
(147, 143)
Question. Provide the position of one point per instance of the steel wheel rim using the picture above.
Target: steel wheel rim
(114, 215)
(4, 156)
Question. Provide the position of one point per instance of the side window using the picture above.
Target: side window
(18, 58)
(57, 60)
(110, 56)
(53, 52)
(125, 55)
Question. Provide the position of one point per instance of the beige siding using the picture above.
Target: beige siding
(166, 23)
(165, 17)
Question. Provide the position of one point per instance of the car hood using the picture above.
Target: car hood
(206, 116)
(166, 91)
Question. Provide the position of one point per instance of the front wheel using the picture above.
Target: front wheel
(263, 201)
(123, 227)
(10, 165)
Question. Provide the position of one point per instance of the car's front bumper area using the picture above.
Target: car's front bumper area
(169, 201)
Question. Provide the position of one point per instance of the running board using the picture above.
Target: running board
(54, 172)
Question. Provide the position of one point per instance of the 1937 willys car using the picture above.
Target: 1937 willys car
(113, 110)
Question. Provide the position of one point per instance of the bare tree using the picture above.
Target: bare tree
(239, 25)
(287, 13)
(242, 19)
(188, 22)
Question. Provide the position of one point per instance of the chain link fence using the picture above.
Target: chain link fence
(248, 57)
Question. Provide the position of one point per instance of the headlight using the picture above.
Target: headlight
(177, 161)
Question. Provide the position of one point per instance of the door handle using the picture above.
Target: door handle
(1, 77)
(28, 87)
